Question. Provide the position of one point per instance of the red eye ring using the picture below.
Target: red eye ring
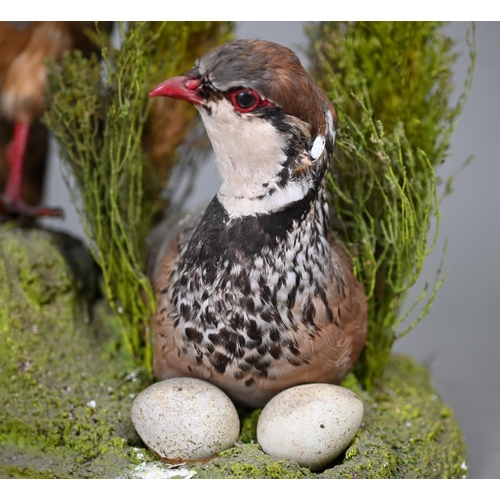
(247, 100)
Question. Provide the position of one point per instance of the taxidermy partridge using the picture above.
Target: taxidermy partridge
(258, 296)
(24, 50)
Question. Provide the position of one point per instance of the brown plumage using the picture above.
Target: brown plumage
(24, 49)
(258, 296)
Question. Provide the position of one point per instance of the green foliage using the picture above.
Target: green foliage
(391, 83)
(101, 123)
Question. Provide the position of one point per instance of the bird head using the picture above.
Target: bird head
(271, 127)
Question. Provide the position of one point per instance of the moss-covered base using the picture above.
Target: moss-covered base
(66, 388)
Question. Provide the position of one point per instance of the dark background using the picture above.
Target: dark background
(459, 339)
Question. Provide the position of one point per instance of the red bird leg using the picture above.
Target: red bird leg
(12, 200)
(17, 149)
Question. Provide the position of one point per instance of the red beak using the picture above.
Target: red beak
(179, 87)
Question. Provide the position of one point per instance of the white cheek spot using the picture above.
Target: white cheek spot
(331, 128)
(318, 147)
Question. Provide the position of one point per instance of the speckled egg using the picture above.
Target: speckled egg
(310, 424)
(185, 419)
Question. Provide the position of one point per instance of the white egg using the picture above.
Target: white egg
(310, 424)
(185, 419)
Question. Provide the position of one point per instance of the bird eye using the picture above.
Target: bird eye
(246, 100)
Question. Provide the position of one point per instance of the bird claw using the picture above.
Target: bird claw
(19, 210)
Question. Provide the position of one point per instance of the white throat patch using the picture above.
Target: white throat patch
(249, 153)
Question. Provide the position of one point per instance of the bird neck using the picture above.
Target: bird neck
(251, 202)
(290, 177)
(295, 184)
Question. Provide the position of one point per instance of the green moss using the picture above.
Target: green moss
(52, 369)
(249, 462)
(248, 420)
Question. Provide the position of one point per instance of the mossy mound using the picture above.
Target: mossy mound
(65, 384)
(66, 388)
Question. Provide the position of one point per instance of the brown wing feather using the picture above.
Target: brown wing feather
(165, 243)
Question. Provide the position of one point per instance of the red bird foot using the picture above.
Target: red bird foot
(12, 205)
(19, 210)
